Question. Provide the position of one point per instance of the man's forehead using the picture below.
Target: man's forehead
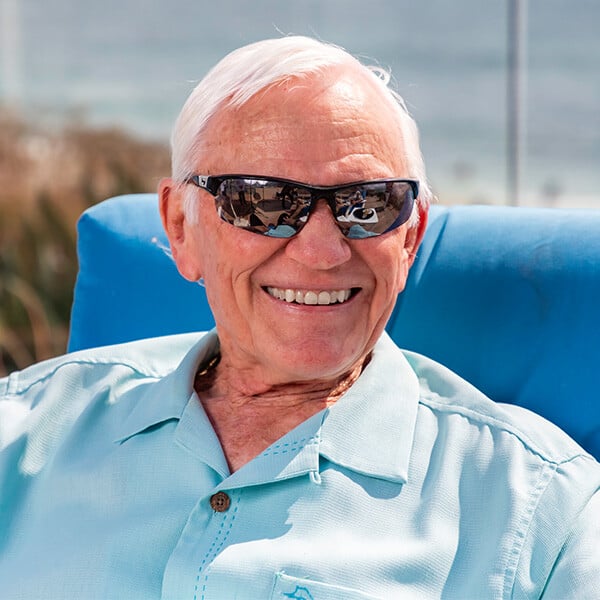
(334, 108)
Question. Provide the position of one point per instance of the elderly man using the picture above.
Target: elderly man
(295, 451)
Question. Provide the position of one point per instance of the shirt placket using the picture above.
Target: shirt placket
(211, 526)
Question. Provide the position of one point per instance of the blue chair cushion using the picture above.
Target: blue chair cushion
(128, 287)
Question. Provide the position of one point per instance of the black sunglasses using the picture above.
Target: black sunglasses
(281, 207)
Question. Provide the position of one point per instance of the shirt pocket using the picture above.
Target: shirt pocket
(295, 588)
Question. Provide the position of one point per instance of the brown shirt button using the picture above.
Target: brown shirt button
(220, 502)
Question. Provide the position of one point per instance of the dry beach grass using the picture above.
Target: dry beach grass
(48, 176)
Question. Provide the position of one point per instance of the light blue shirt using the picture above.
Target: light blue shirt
(412, 486)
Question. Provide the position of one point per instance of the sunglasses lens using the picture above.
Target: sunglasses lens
(278, 209)
(264, 206)
(371, 209)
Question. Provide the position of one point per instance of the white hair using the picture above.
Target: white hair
(253, 68)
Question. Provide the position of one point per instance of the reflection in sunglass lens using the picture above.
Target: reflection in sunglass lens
(280, 209)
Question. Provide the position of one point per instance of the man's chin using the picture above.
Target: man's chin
(313, 363)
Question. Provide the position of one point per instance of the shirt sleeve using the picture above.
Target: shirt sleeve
(576, 573)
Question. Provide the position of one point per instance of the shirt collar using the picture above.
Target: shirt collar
(167, 398)
(369, 430)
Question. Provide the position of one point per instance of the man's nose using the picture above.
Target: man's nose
(320, 244)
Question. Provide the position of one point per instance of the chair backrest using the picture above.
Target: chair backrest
(509, 298)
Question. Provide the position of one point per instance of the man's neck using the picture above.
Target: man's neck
(246, 424)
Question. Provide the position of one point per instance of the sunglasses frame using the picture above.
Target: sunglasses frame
(212, 183)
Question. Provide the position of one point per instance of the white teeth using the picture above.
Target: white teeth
(323, 297)
(310, 298)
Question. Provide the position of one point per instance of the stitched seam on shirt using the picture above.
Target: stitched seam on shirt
(13, 388)
(291, 446)
(215, 548)
(524, 527)
(506, 426)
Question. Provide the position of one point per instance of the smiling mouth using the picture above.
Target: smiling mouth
(312, 297)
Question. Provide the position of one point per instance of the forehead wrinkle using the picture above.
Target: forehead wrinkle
(329, 138)
(355, 168)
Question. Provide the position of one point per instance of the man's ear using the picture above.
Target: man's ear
(179, 232)
(412, 240)
(415, 234)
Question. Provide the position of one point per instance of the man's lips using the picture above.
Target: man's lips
(312, 297)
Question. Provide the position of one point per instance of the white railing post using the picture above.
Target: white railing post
(516, 99)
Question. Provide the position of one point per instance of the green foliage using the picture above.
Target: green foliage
(46, 180)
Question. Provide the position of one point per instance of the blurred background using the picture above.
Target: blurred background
(89, 92)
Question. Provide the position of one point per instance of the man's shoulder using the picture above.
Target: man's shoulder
(59, 389)
(446, 393)
(151, 358)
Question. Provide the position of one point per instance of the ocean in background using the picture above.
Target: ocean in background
(132, 63)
